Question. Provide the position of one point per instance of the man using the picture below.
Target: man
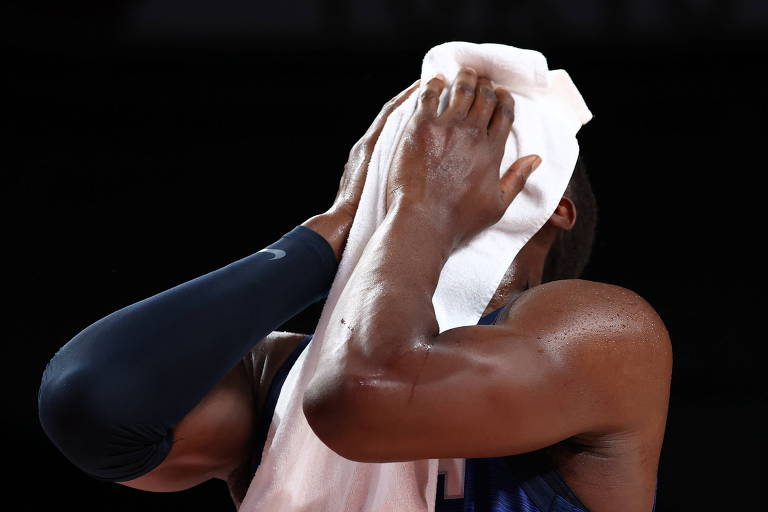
(557, 400)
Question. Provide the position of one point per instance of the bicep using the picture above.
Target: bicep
(502, 395)
(551, 371)
(475, 392)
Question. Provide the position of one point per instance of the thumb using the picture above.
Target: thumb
(514, 179)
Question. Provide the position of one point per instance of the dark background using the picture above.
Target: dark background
(150, 142)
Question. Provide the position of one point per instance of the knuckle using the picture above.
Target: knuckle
(465, 88)
(428, 95)
(488, 94)
(505, 97)
(435, 81)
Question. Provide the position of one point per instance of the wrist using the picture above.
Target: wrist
(432, 225)
(333, 225)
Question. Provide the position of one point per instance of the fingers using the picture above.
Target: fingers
(462, 94)
(400, 98)
(391, 106)
(503, 117)
(514, 179)
(474, 99)
(485, 102)
(430, 98)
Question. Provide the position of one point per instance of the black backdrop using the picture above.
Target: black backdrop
(151, 142)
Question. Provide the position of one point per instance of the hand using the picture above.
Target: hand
(335, 223)
(356, 168)
(446, 167)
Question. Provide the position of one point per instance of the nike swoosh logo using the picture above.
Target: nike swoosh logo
(276, 253)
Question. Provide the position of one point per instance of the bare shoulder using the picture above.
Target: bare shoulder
(604, 334)
(597, 307)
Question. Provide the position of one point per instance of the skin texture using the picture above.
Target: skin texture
(572, 361)
(578, 368)
(216, 438)
(335, 223)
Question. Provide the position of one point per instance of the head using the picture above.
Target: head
(573, 222)
(562, 247)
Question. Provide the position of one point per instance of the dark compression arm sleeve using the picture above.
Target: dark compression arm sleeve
(110, 397)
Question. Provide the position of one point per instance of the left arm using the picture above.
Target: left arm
(112, 398)
(398, 389)
(560, 365)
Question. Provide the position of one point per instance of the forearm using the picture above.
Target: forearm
(387, 306)
(130, 377)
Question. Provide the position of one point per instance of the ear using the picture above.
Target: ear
(564, 216)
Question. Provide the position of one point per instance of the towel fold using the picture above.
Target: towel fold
(298, 473)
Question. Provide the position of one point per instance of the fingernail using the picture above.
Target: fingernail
(533, 163)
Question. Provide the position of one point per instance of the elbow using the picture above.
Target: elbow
(61, 398)
(344, 414)
(74, 398)
(91, 429)
(78, 422)
(64, 411)
(94, 417)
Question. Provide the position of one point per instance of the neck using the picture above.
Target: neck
(525, 272)
(506, 294)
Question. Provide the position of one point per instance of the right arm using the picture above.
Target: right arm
(216, 438)
(110, 398)
(117, 397)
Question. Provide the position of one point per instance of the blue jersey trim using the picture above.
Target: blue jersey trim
(269, 406)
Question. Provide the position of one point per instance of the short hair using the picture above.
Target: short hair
(572, 249)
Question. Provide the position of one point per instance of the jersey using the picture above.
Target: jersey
(518, 483)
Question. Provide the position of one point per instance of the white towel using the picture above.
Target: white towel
(298, 473)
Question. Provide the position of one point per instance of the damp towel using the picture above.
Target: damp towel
(298, 473)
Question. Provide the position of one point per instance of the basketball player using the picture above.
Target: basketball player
(557, 399)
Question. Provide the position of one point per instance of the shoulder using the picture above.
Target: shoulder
(602, 334)
(599, 307)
